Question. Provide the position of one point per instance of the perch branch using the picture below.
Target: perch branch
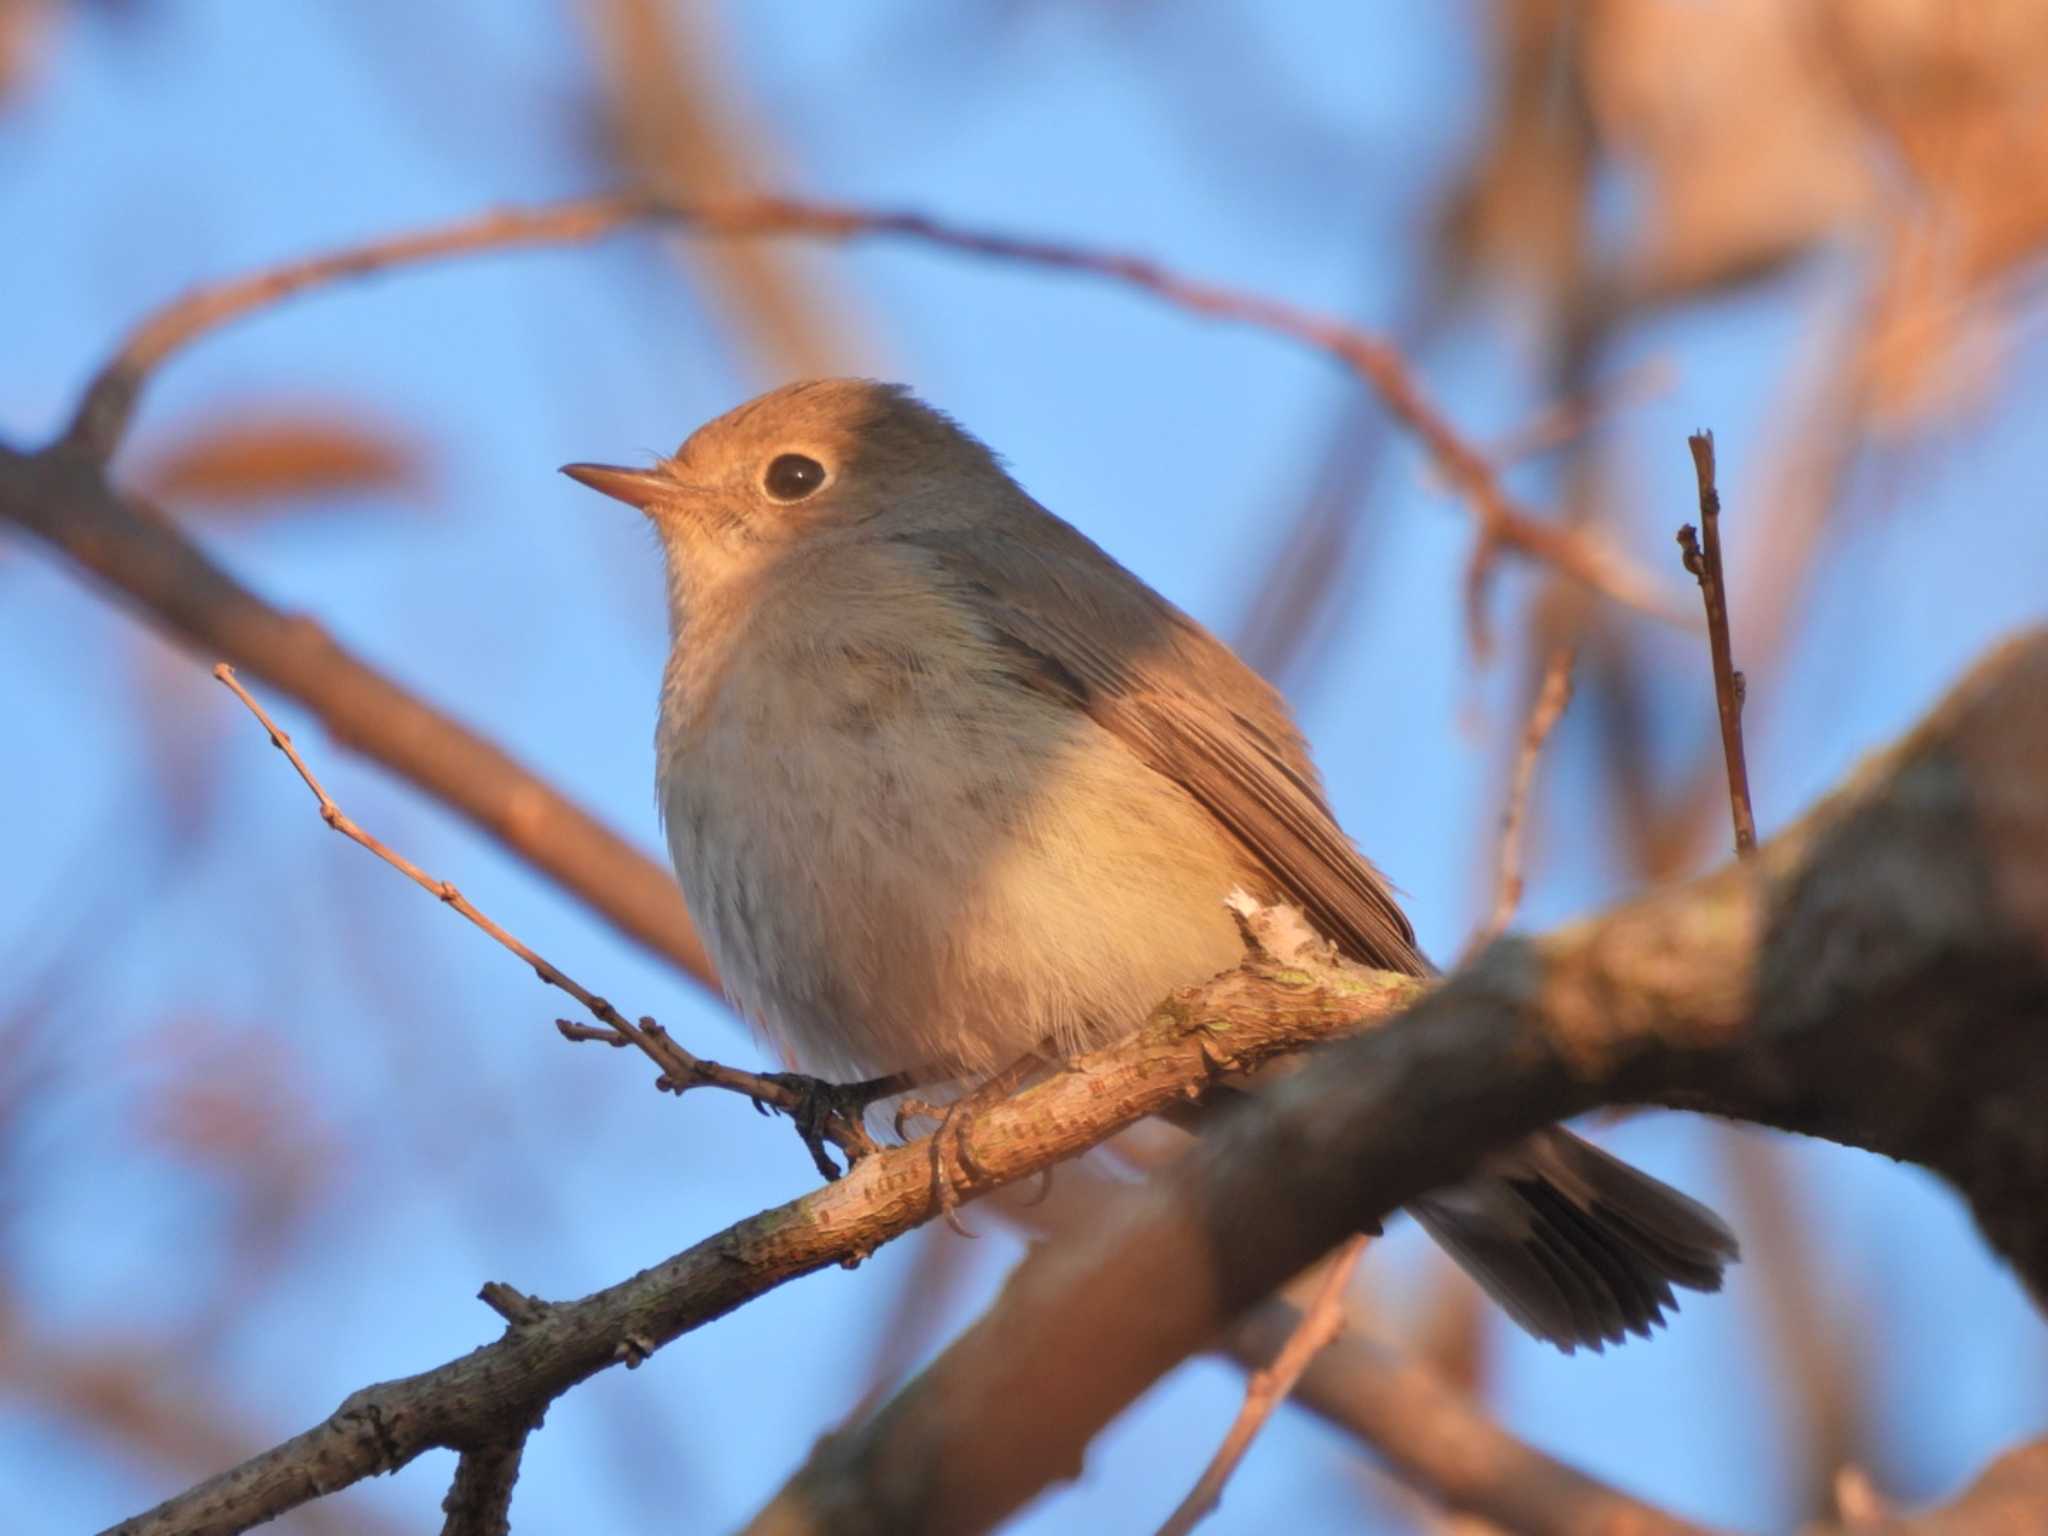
(681, 1069)
(1237, 1021)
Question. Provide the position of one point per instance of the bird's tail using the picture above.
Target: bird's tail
(1577, 1246)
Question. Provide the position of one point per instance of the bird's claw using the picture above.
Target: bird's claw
(831, 1112)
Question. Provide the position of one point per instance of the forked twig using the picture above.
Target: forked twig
(1702, 555)
(1267, 1389)
(681, 1069)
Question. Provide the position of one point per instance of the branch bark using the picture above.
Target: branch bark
(1877, 974)
(104, 411)
(65, 500)
(1236, 1022)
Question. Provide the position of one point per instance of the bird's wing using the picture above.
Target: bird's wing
(1081, 626)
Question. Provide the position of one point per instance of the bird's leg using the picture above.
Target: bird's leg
(955, 1120)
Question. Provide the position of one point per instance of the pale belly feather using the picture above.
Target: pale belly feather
(897, 863)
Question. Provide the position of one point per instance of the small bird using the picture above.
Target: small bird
(943, 783)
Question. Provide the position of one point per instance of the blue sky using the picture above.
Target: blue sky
(1293, 150)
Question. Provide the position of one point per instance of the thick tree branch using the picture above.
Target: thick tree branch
(1877, 974)
(137, 551)
(1239, 1020)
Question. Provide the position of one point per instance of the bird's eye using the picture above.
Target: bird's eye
(792, 477)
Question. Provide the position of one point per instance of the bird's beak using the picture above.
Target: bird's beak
(635, 487)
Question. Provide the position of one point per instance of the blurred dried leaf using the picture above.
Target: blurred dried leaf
(1959, 96)
(255, 460)
(174, 703)
(1454, 1334)
(1747, 154)
(1857, 1500)
(235, 1103)
(1521, 211)
(672, 129)
(23, 26)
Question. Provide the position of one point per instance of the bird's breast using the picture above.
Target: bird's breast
(899, 855)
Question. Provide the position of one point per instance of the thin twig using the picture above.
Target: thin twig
(1729, 687)
(1268, 1388)
(103, 413)
(1553, 693)
(680, 1069)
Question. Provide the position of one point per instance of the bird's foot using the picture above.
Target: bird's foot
(950, 1143)
(836, 1113)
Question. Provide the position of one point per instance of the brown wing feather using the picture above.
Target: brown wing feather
(1081, 625)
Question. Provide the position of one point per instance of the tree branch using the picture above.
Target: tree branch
(137, 551)
(1236, 1022)
(1553, 693)
(1877, 974)
(108, 404)
(62, 496)
(1313, 1331)
(1443, 1444)
(479, 1501)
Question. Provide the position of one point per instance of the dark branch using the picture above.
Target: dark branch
(479, 1501)
(1730, 688)
(1877, 974)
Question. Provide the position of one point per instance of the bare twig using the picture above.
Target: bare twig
(1268, 1388)
(1819, 1346)
(681, 1070)
(1553, 693)
(103, 413)
(1729, 688)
